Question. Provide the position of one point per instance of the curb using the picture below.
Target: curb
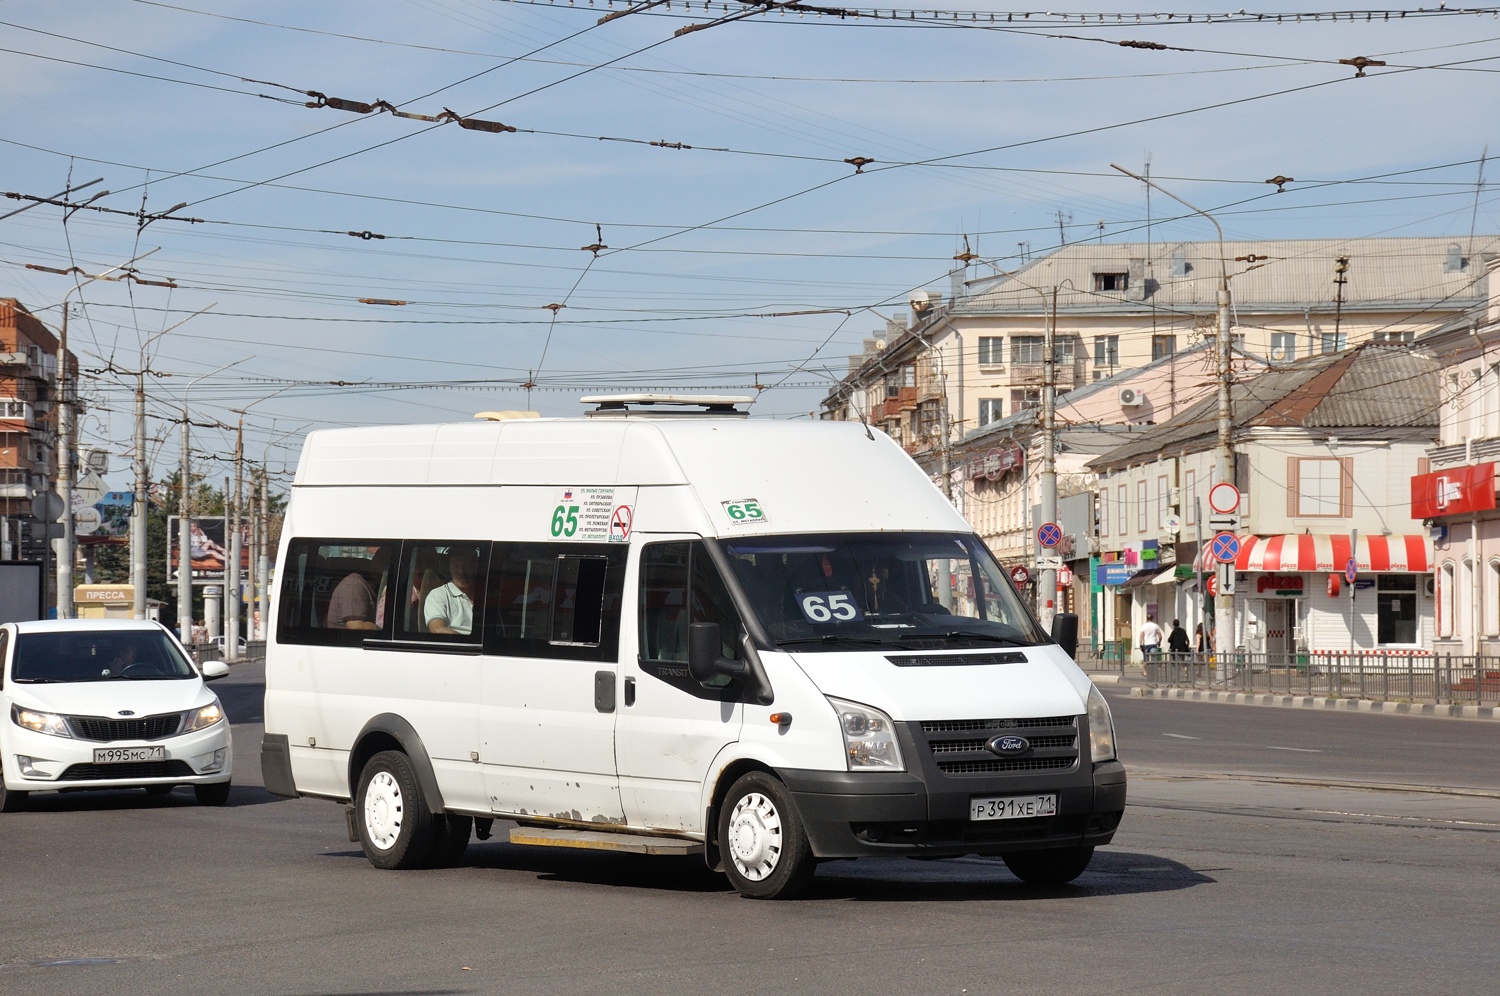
(1315, 702)
(1178, 774)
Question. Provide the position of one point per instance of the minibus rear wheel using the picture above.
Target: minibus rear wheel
(395, 826)
(765, 849)
(1053, 866)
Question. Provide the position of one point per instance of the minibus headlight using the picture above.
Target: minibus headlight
(203, 718)
(40, 722)
(869, 737)
(1101, 727)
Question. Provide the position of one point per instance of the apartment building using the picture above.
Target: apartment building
(28, 420)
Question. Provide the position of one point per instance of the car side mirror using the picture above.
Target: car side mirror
(705, 663)
(214, 669)
(1065, 633)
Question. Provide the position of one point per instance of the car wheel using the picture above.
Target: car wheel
(450, 839)
(215, 794)
(765, 850)
(158, 790)
(11, 801)
(396, 829)
(1053, 866)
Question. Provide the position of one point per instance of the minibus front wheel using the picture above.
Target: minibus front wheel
(763, 844)
(396, 827)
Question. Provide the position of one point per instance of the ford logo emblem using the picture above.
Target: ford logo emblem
(1008, 745)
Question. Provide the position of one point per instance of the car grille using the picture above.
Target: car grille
(1053, 740)
(145, 728)
(127, 769)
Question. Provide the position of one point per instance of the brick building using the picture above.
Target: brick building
(28, 419)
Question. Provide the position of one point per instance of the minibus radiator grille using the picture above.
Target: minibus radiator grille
(145, 728)
(1052, 744)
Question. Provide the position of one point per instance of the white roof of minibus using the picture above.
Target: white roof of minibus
(808, 476)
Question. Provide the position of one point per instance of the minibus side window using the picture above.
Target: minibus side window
(336, 591)
(440, 594)
(555, 600)
(680, 585)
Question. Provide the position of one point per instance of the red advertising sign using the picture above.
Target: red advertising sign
(1453, 491)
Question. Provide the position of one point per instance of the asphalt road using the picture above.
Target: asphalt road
(1212, 885)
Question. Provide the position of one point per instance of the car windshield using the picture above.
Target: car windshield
(98, 655)
(916, 591)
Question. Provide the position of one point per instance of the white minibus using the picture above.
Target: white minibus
(664, 628)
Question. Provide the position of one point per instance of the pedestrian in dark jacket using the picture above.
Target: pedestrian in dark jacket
(1177, 640)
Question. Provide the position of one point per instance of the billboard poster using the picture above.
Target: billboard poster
(208, 548)
(114, 514)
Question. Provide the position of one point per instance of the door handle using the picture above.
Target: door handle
(604, 691)
(629, 692)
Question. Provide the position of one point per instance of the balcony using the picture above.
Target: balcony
(14, 410)
(1066, 376)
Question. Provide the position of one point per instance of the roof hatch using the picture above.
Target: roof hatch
(668, 405)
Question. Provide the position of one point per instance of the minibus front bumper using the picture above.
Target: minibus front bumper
(927, 810)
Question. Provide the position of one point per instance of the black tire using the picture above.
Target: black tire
(1053, 866)
(396, 829)
(155, 791)
(763, 845)
(214, 794)
(11, 801)
(450, 839)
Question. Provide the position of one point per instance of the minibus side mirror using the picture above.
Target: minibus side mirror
(1065, 632)
(705, 640)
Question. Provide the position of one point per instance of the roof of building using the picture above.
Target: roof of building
(1427, 275)
(1377, 385)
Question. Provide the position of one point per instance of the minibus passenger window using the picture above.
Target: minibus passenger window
(577, 611)
(557, 600)
(442, 591)
(335, 591)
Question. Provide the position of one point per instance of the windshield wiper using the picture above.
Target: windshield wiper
(862, 641)
(954, 636)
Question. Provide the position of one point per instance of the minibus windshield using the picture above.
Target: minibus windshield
(841, 591)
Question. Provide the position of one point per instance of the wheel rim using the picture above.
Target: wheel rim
(384, 809)
(755, 836)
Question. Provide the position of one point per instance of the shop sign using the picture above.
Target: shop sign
(1289, 585)
(1115, 573)
(1453, 491)
(996, 462)
(108, 593)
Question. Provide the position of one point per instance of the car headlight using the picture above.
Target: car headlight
(869, 737)
(1101, 727)
(40, 722)
(203, 718)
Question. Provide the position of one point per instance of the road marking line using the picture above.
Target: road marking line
(1181, 736)
(1299, 750)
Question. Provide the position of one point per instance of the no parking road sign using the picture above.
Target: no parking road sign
(1049, 534)
(1225, 547)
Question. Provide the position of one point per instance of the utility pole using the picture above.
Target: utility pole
(138, 502)
(232, 600)
(1224, 455)
(185, 516)
(65, 472)
(1047, 577)
(263, 569)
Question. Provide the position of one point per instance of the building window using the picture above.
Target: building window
(1103, 512)
(1322, 486)
(11, 408)
(989, 410)
(1396, 615)
(1445, 586)
(1026, 348)
(1111, 282)
(1022, 399)
(1335, 342)
(1283, 346)
(1140, 506)
(991, 350)
(1394, 335)
(1490, 599)
(1190, 496)
(1122, 515)
(1163, 501)
(1106, 350)
(1163, 346)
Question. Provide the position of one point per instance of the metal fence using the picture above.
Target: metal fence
(254, 650)
(1395, 677)
(1108, 656)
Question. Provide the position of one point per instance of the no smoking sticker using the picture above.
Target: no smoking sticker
(619, 524)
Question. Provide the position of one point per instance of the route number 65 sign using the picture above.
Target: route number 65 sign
(745, 512)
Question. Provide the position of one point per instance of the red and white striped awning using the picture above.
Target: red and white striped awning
(1294, 552)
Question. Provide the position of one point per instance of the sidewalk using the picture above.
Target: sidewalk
(1139, 690)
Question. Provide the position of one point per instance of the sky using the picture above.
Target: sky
(674, 212)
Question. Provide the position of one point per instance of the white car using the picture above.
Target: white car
(107, 705)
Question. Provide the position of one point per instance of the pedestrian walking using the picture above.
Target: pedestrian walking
(1150, 641)
(1177, 641)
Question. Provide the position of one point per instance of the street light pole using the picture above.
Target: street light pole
(1224, 456)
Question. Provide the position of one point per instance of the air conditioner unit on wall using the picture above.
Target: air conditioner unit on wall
(1130, 397)
(1429, 586)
